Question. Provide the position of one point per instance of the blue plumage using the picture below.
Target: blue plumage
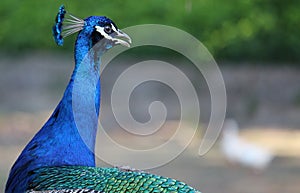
(64, 147)
(59, 142)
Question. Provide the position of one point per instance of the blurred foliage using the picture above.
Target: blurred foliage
(257, 30)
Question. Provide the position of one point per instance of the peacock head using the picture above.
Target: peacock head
(96, 28)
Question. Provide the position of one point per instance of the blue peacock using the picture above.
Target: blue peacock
(60, 157)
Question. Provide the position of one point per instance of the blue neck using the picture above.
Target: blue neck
(68, 137)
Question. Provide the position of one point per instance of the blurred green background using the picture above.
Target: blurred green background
(252, 30)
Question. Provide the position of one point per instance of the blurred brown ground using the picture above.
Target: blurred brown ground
(265, 100)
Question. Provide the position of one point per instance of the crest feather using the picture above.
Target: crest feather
(65, 25)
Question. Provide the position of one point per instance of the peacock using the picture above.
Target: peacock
(60, 157)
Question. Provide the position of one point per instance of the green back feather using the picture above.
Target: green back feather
(106, 180)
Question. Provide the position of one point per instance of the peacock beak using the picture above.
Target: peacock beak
(122, 38)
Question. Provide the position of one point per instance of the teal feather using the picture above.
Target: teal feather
(106, 180)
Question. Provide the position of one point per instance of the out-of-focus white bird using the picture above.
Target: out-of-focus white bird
(239, 151)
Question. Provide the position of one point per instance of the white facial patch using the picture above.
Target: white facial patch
(119, 34)
(103, 33)
(113, 27)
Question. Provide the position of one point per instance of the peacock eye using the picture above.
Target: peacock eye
(107, 29)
